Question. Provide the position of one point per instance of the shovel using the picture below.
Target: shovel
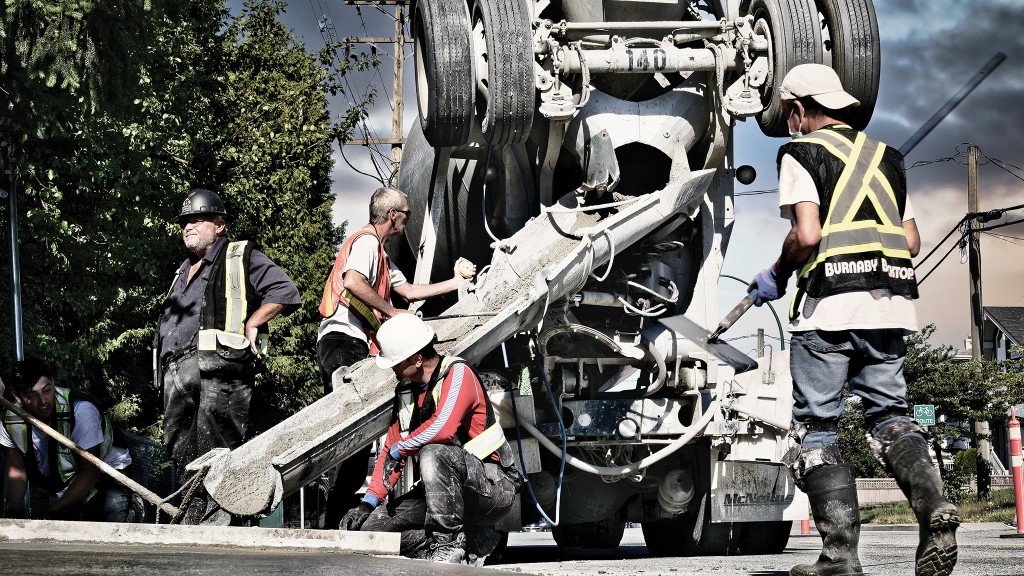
(699, 335)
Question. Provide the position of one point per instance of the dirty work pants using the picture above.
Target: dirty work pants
(202, 411)
(457, 493)
(822, 362)
(335, 350)
(111, 503)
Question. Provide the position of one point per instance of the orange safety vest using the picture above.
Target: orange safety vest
(335, 292)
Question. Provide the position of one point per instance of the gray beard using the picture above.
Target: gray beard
(198, 245)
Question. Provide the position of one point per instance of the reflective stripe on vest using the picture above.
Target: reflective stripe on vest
(236, 298)
(861, 181)
(485, 443)
(63, 422)
(381, 284)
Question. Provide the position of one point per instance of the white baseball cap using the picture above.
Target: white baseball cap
(819, 82)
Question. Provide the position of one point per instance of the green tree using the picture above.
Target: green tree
(274, 160)
(94, 166)
(104, 133)
(962, 392)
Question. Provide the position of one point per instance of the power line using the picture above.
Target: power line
(961, 243)
(1005, 238)
(757, 192)
(941, 242)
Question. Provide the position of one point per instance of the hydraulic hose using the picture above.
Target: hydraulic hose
(668, 450)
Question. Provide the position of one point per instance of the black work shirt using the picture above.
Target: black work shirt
(179, 324)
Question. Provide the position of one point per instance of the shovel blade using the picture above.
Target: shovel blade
(697, 334)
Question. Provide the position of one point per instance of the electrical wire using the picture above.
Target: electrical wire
(359, 12)
(757, 192)
(1004, 237)
(940, 243)
(329, 35)
(961, 243)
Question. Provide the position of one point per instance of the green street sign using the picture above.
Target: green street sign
(924, 414)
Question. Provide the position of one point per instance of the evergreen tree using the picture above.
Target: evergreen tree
(104, 132)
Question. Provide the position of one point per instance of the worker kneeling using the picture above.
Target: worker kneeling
(442, 418)
(77, 488)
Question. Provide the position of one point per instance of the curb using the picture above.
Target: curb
(14, 531)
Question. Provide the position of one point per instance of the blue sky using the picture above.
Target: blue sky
(930, 49)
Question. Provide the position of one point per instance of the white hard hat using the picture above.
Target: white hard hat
(400, 337)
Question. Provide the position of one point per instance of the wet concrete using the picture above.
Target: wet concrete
(53, 559)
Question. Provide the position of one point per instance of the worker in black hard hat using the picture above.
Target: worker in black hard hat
(212, 337)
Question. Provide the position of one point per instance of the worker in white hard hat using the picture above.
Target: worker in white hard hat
(442, 417)
(356, 299)
(851, 241)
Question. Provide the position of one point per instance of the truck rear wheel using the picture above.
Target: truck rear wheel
(764, 537)
(605, 533)
(444, 71)
(795, 38)
(503, 54)
(851, 48)
(692, 534)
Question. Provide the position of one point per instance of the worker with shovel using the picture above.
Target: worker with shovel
(852, 239)
(80, 491)
(443, 418)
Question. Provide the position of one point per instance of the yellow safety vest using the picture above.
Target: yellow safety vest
(62, 459)
(857, 253)
(232, 333)
(482, 445)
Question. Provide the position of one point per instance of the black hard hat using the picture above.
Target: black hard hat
(202, 202)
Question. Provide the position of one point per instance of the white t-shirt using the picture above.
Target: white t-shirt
(362, 259)
(87, 433)
(851, 310)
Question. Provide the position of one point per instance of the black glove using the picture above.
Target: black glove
(390, 465)
(354, 518)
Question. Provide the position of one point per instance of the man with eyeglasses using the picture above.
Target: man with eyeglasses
(852, 239)
(211, 338)
(356, 299)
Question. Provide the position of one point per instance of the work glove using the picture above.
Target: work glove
(354, 518)
(391, 463)
(464, 269)
(766, 286)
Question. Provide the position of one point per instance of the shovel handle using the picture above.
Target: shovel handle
(733, 316)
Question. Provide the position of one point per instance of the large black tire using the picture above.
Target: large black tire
(852, 49)
(795, 39)
(675, 537)
(503, 52)
(444, 71)
(603, 534)
(764, 537)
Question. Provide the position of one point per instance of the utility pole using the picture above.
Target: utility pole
(12, 209)
(397, 138)
(981, 429)
(974, 254)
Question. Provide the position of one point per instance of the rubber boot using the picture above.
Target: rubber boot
(937, 518)
(832, 491)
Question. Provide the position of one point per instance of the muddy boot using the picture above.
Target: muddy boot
(448, 548)
(938, 519)
(832, 491)
(480, 543)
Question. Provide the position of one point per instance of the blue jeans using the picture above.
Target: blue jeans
(870, 361)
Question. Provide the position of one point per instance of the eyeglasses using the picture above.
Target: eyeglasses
(407, 213)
